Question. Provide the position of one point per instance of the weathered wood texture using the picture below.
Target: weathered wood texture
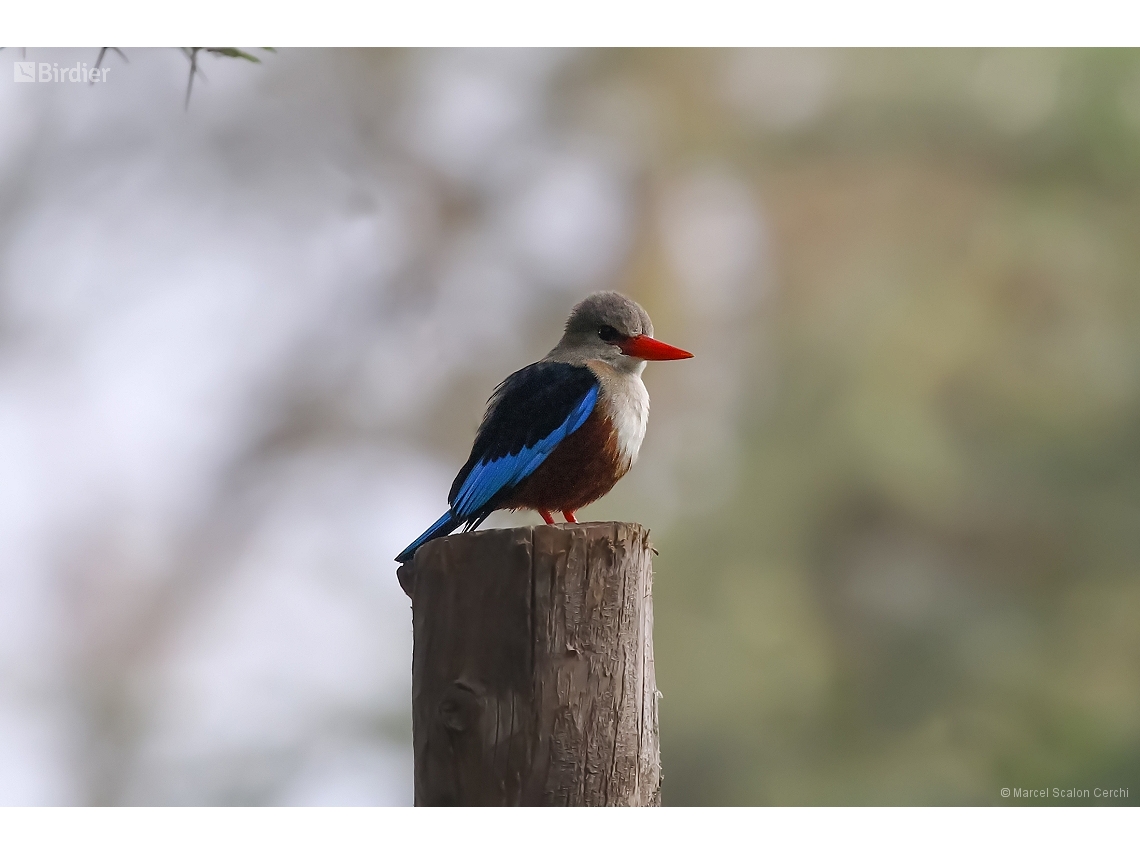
(532, 676)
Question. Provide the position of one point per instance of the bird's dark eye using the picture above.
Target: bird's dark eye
(608, 333)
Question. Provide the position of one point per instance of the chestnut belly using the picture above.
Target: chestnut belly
(581, 469)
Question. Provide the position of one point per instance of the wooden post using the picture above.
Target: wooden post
(532, 675)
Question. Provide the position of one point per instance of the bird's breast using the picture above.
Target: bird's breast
(625, 403)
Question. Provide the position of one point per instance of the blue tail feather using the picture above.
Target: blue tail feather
(443, 526)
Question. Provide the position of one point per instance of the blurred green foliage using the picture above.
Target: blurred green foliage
(924, 585)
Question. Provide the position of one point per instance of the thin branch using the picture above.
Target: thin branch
(103, 53)
(192, 53)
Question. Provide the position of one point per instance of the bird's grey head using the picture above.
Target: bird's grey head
(614, 329)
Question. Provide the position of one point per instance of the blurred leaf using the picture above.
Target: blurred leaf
(233, 52)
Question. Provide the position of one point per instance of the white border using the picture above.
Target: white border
(346, 831)
(582, 22)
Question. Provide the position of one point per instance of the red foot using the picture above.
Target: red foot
(569, 516)
(546, 515)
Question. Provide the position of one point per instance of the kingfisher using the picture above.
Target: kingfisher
(559, 433)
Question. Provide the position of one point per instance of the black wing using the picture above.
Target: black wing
(528, 415)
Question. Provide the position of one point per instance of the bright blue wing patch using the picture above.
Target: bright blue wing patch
(488, 477)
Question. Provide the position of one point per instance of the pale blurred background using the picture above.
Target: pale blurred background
(244, 348)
